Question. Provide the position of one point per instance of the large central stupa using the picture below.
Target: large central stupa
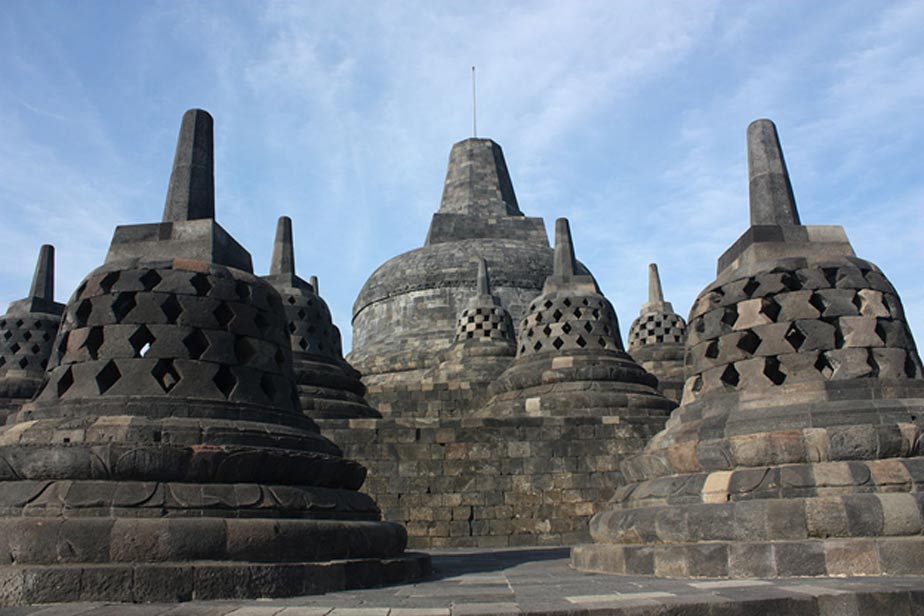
(405, 316)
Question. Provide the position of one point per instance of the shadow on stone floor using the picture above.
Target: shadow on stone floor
(452, 564)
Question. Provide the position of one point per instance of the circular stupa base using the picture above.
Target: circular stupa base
(757, 559)
(201, 580)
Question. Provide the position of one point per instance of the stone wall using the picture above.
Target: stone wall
(491, 482)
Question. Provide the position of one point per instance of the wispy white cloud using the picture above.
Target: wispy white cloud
(628, 117)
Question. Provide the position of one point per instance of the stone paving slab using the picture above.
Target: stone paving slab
(540, 582)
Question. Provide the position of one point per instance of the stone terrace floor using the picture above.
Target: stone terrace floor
(470, 582)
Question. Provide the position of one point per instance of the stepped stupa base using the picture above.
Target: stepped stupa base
(51, 560)
(201, 580)
(874, 556)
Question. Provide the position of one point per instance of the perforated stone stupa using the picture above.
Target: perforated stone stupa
(797, 448)
(484, 345)
(27, 334)
(166, 457)
(570, 359)
(657, 338)
(405, 316)
(327, 385)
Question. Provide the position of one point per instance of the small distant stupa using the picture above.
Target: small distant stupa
(657, 338)
(570, 359)
(27, 335)
(328, 387)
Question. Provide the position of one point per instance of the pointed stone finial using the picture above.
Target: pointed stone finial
(283, 252)
(477, 181)
(43, 281)
(484, 283)
(191, 195)
(655, 294)
(771, 196)
(314, 285)
(564, 264)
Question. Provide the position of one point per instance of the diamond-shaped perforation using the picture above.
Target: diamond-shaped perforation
(730, 376)
(242, 289)
(262, 323)
(770, 308)
(23, 362)
(225, 381)
(93, 342)
(730, 315)
(109, 281)
(82, 314)
(201, 284)
(141, 341)
(196, 343)
(108, 376)
(223, 314)
(830, 274)
(268, 386)
(773, 372)
(124, 303)
(166, 375)
(150, 279)
(795, 337)
(823, 365)
(244, 350)
(7, 335)
(749, 342)
(171, 308)
(64, 383)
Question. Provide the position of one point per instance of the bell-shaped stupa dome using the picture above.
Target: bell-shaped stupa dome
(404, 319)
(166, 456)
(328, 387)
(797, 448)
(27, 334)
(657, 338)
(570, 359)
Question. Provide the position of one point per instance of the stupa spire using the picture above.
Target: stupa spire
(655, 293)
(484, 283)
(563, 266)
(477, 181)
(313, 281)
(283, 252)
(43, 281)
(191, 194)
(771, 196)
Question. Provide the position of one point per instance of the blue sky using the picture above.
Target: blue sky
(628, 118)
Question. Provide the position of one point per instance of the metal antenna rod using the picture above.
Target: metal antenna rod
(474, 107)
